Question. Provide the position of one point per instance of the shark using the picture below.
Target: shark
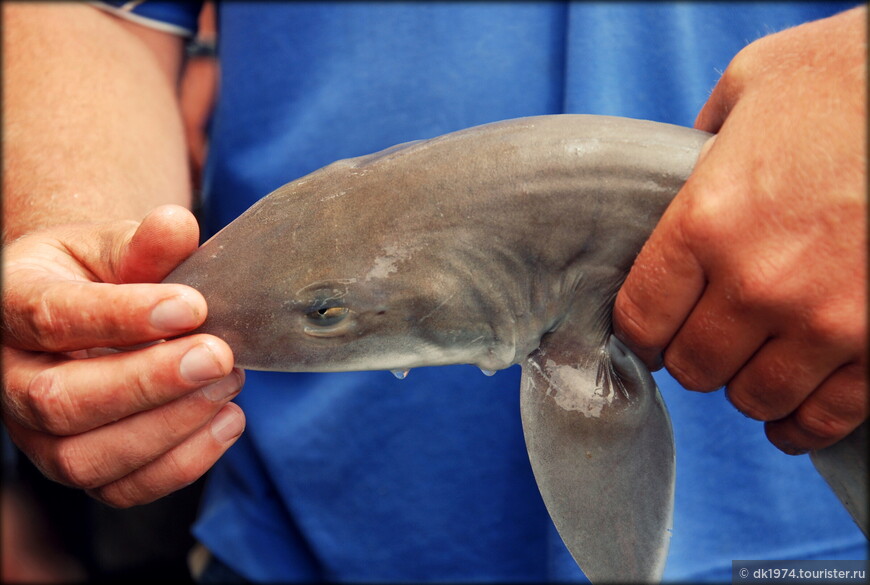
(495, 245)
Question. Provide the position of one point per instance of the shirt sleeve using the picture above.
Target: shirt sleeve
(179, 17)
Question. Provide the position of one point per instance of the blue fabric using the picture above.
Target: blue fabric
(180, 13)
(361, 477)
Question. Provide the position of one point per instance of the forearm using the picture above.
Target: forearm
(91, 125)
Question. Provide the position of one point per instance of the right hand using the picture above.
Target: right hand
(129, 424)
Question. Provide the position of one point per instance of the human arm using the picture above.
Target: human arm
(92, 142)
(755, 278)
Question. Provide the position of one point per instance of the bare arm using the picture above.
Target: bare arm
(90, 119)
(92, 141)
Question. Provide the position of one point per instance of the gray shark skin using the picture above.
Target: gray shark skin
(497, 245)
(844, 467)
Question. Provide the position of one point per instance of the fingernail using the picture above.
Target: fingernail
(175, 314)
(227, 424)
(224, 388)
(200, 364)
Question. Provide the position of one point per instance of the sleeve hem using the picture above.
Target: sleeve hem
(144, 20)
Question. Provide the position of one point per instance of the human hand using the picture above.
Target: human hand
(755, 277)
(128, 426)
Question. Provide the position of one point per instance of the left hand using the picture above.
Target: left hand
(755, 278)
(101, 389)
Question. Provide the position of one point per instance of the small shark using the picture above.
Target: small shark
(496, 245)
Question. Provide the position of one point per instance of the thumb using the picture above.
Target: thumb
(166, 236)
(61, 293)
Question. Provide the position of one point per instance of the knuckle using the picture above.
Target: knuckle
(181, 470)
(821, 424)
(49, 403)
(698, 354)
(162, 477)
(634, 326)
(139, 385)
(47, 330)
(183, 416)
(766, 391)
(700, 223)
(826, 325)
(757, 283)
(688, 375)
(742, 67)
(738, 69)
(748, 403)
(13, 326)
(73, 466)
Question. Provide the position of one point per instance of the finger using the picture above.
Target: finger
(660, 291)
(48, 315)
(126, 251)
(783, 373)
(166, 236)
(49, 303)
(713, 344)
(714, 111)
(110, 452)
(65, 396)
(722, 100)
(831, 412)
(179, 467)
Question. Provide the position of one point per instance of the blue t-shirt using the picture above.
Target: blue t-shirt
(362, 477)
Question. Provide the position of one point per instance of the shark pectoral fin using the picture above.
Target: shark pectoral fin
(601, 446)
(844, 467)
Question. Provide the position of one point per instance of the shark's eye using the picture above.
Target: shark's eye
(327, 316)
